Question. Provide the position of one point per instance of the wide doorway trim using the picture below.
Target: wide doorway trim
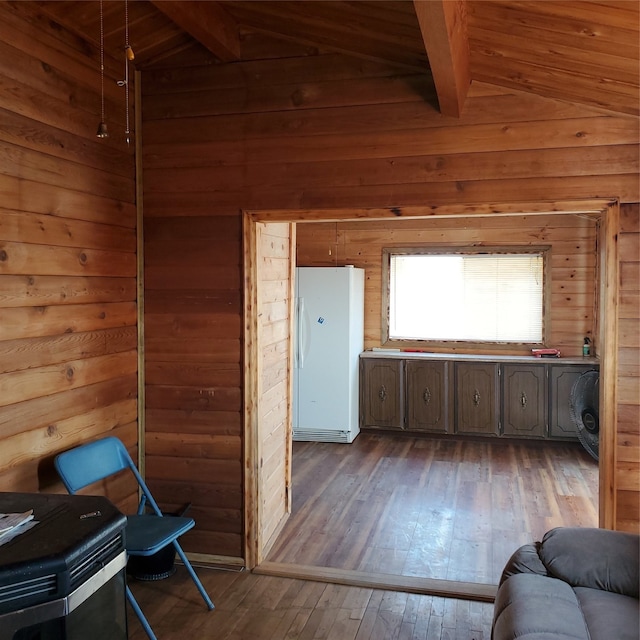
(606, 211)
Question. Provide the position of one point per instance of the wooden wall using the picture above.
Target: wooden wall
(275, 258)
(628, 444)
(572, 262)
(331, 132)
(193, 328)
(68, 337)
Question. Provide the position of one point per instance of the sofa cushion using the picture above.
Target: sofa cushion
(609, 615)
(530, 606)
(597, 558)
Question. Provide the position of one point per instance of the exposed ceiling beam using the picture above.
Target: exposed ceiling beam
(207, 22)
(444, 30)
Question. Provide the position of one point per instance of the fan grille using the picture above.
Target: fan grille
(584, 403)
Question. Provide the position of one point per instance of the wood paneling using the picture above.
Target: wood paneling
(627, 479)
(274, 287)
(572, 240)
(193, 324)
(573, 50)
(335, 135)
(68, 350)
(516, 44)
(307, 131)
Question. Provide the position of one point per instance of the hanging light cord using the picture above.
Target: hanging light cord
(127, 53)
(101, 64)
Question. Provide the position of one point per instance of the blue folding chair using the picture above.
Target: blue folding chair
(144, 534)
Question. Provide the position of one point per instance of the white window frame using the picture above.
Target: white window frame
(387, 254)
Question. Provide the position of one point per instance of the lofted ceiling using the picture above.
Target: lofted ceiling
(583, 51)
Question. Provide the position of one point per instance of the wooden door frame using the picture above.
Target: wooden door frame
(605, 210)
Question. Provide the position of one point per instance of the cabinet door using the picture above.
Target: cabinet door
(524, 400)
(382, 393)
(476, 394)
(427, 396)
(561, 381)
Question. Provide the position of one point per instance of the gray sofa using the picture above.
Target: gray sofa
(577, 584)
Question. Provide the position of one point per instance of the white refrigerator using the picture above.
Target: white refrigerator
(329, 337)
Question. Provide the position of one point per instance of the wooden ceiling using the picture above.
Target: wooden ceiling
(584, 51)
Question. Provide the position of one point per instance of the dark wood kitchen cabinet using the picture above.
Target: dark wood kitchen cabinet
(382, 393)
(511, 397)
(427, 396)
(476, 396)
(524, 400)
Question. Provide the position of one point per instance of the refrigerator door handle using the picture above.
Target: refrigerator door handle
(299, 341)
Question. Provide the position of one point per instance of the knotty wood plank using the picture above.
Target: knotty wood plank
(204, 349)
(506, 165)
(27, 353)
(201, 445)
(25, 291)
(19, 258)
(161, 137)
(45, 441)
(45, 410)
(201, 493)
(29, 384)
(34, 322)
(21, 162)
(26, 195)
(569, 59)
(193, 398)
(18, 226)
(323, 68)
(285, 97)
(212, 423)
(570, 133)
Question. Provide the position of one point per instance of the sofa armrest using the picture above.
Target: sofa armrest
(596, 558)
(526, 559)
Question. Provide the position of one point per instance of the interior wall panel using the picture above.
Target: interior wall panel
(324, 132)
(68, 348)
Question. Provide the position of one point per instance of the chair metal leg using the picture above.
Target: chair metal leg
(194, 576)
(141, 617)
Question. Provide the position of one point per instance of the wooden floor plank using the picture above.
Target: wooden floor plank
(449, 509)
(256, 607)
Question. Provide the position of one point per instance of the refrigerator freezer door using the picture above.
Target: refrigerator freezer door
(329, 328)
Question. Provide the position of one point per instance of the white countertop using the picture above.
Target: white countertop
(471, 357)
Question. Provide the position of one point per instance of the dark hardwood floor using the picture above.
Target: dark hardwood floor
(431, 507)
(444, 509)
(257, 607)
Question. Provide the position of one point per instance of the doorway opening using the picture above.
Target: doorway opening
(606, 338)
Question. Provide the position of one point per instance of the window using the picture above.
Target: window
(466, 295)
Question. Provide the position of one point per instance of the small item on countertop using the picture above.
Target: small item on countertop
(586, 347)
(545, 353)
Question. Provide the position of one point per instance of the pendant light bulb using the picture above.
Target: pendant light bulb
(102, 130)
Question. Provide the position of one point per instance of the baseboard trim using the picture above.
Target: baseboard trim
(481, 592)
(215, 562)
